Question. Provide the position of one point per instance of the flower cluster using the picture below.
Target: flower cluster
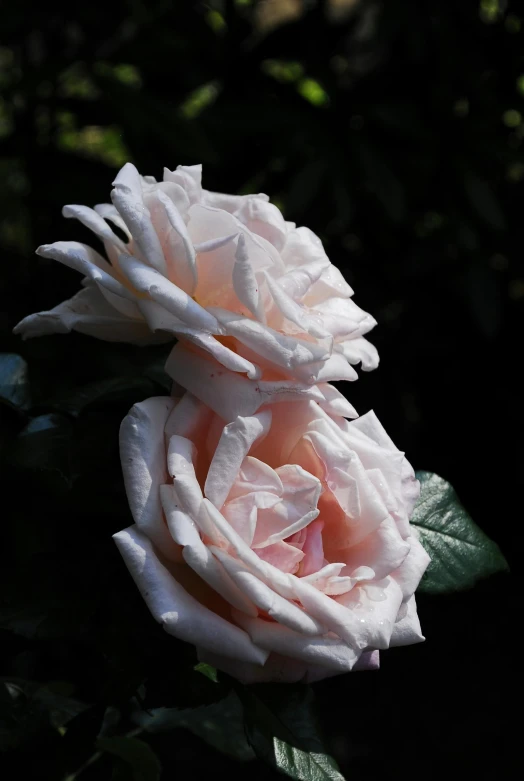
(270, 531)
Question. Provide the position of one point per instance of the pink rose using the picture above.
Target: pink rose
(278, 544)
(226, 275)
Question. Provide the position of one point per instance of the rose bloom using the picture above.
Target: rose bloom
(278, 544)
(225, 274)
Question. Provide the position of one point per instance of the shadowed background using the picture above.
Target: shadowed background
(394, 131)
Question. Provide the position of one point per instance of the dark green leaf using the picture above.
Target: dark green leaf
(142, 760)
(128, 390)
(221, 725)
(26, 707)
(460, 552)
(207, 670)
(18, 721)
(14, 382)
(280, 727)
(44, 446)
(61, 709)
(110, 721)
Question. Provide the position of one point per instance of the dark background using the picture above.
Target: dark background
(394, 131)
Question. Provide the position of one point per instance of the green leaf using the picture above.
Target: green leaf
(27, 707)
(220, 724)
(44, 446)
(460, 552)
(143, 762)
(128, 390)
(61, 709)
(110, 721)
(14, 381)
(207, 670)
(280, 727)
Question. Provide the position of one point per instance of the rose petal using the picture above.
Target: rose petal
(334, 369)
(180, 457)
(189, 418)
(370, 660)
(367, 436)
(284, 557)
(84, 259)
(375, 607)
(128, 198)
(278, 608)
(159, 319)
(215, 267)
(302, 247)
(176, 243)
(189, 177)
(297, 508)
(235, 442)
(198, 556)
(88, 313)
(335, 403)
(281, 350)
(298, 281)
(263, 218)
(331, 283)
(96, 223)
(109, 212)
(326, 610)
(410, 571)
(290, 310)
(180, 614)
(384, 547)
(313, 549)
(230, 203)
(144, 466)
(359, 350)
(245, 283)
(243, 512)
(341, 317)
(407, 631)
(362, 507)
(255, 475)
(328, 581)
(176, 301)
(319, 651)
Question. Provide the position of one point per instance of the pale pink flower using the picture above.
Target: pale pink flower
(278, 544)
(226, 275)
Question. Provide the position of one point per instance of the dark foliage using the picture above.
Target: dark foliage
(394, 131)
